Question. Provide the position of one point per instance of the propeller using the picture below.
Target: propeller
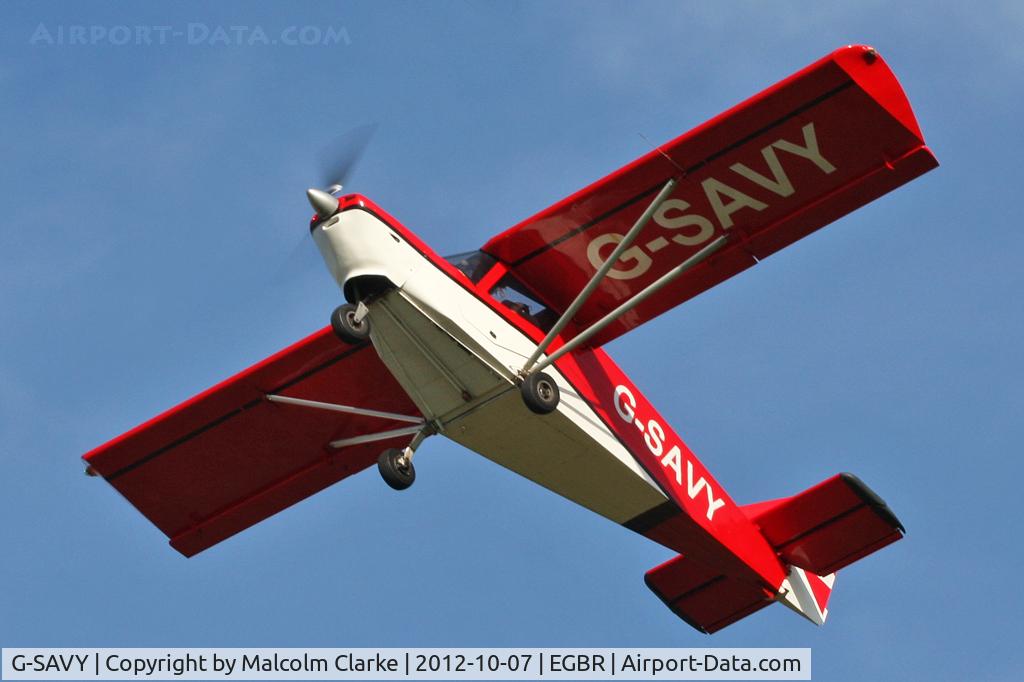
(338, 160)
(337, 163)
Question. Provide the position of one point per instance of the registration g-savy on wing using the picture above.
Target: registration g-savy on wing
(769, 171)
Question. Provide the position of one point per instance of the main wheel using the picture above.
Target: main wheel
(540, 393)
(396, 472)
(343, 322)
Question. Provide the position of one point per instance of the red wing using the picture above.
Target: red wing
(767, 172)
(229, 458)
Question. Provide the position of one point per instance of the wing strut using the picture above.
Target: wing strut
(602, 271)
(381, 435)
(534, 364)
(631, 303)
(420, 428)
(343, 408)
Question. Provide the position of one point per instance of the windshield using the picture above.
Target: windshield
(473, 264)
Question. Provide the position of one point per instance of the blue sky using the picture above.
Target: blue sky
(153, 194)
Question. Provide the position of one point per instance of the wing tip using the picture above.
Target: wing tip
(873, 500)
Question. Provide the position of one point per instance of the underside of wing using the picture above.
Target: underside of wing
(829, 526)
(235, 455)
(707, 599)
(764, 174)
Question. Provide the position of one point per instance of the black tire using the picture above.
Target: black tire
(540, 393)
(346, 328)
(395, 474)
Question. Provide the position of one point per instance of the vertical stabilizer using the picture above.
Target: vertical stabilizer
(807, 593)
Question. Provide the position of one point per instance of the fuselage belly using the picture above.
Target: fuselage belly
(456, 352)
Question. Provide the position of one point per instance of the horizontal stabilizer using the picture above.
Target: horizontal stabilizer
(828, 526)
(704, 598)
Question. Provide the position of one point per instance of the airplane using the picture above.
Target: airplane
(501, 350)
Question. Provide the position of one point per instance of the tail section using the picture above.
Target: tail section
(815, 533)
(821, 530)
(828, 526)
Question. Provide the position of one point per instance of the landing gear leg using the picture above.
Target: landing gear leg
(395, 465)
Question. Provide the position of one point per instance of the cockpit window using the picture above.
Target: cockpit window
(473, 264)
(511, 293)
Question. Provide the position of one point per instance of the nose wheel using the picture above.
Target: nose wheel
(396, 468)
(350, 323)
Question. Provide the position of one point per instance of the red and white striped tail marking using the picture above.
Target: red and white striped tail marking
(807, 593)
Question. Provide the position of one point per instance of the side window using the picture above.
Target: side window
(513, 295)
(473, 264)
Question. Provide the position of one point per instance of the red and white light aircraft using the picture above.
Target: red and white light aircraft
(500, 350)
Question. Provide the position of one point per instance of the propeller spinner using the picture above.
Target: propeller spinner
(323, 203)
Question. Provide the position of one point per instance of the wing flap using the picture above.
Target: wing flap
(228, 458)
(768, 172)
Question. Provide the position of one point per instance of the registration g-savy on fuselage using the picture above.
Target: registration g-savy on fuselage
(501, 350)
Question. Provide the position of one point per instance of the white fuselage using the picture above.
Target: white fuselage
(457, 358)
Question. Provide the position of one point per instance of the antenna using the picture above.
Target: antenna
(662, 152)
